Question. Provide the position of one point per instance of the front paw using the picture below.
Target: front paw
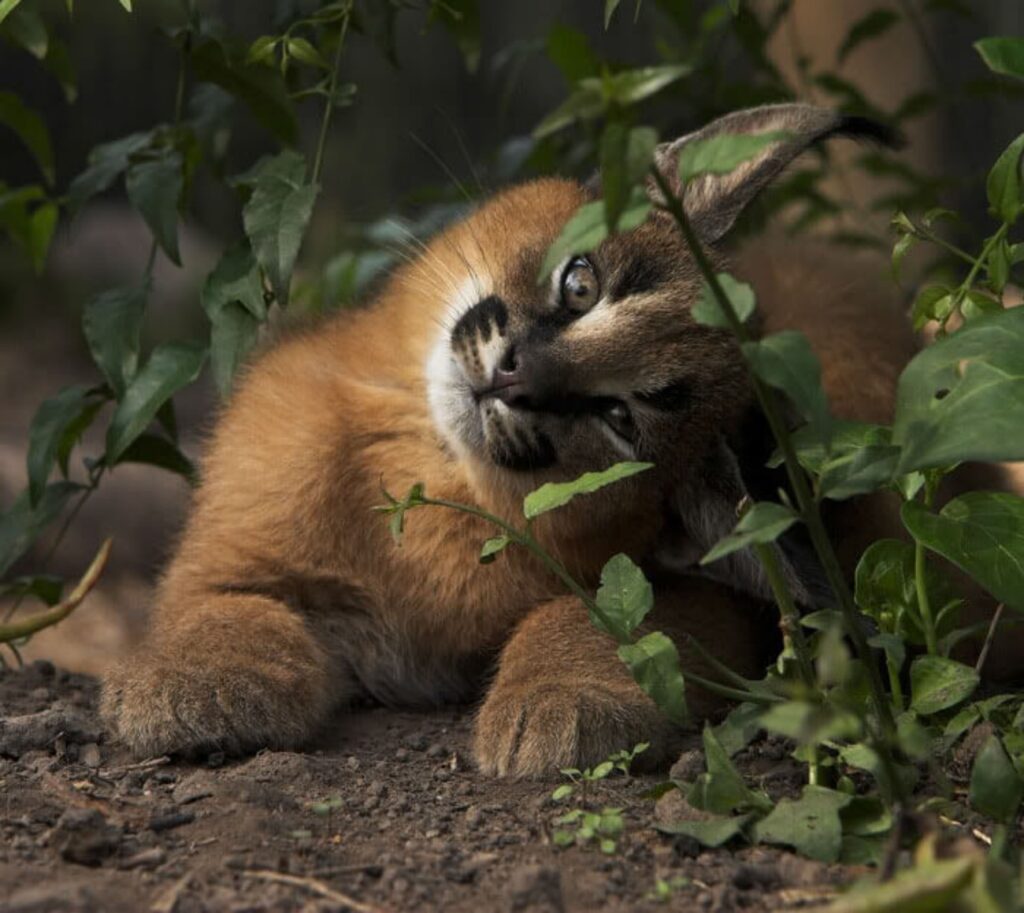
(536, 728)
(158, 708)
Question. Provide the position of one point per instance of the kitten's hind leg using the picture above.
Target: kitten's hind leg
(230, 672)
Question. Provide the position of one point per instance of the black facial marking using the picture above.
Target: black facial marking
(526, 455)
(482, 319)
(670, 398)
(642, 274)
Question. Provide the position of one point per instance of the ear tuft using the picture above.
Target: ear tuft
(857, 127)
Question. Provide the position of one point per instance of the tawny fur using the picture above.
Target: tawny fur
(287, 595)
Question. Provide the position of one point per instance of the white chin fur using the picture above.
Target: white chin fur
(451, 401)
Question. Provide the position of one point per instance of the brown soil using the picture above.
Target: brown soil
(84, 828)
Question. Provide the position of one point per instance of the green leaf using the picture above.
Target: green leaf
(261, 89)
(41, 227)
(30, 128)
(625, 157)
(570, 51)
(492, 548)
(106, 163)
(154, 450)
(937, 683)
(1003, 55)
(962, 398)
(996, 788)
(763, 523)
(127, 4)
(154, 187)
(739, 728)
(981, 532)
(262, 50)
(276, 216)
(740, 295)
(112, 322)
(713, 833)
(787, 362)
(926, 887)
(859, 471)
(809, 723)
(27, 29)
(21, 524)
(654, 663)
(304, 52)
(933, 302)
(587, 228)
(170, 367)
(562, 792)
(722, 789)
(7, 7)
(724, 152)
(60, 66)
(630, 86)
(48, 427)
(810, 824)
(556, 494)
(610, 6)
(1003, 183)
(233, 299)
(874, 24)
(625, 597)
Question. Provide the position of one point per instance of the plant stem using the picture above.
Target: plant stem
(965, 286)
(920, 584)
(325, 122)
(789, 614)
(928, 235)
(798, 481)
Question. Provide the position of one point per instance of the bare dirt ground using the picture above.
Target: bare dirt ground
(86, 829)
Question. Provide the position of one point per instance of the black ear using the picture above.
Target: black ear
(713, 201)
(705, 511)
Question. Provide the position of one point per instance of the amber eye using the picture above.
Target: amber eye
(580, 288)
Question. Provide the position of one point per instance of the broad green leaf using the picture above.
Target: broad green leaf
(585, 103)
(1003, 55)
(21, 524)
(233, 299)
(1003, 184)
(492, 548)
(722, 789)
(31, 129)
(739, 728)
(787, 362)
(763, 523)
(810, 824)
(41, 227)
(865, 816)
(937, 683)
(928, 887)
(859, 471)
(587, 228)
(981, 532)
(711, 833)
(625, 597)
(996, 788)
(262, 50)
(654, 663)
(106, 163)
(170, 367)
(885, 588)
(154, 450)
(111, 323)
(260, 88)
(27, 29)
(962, 398)
(724, 152)
(933, 302)
(555, 494)
(631, 86)
(810, 723)
(154, 187)
(740, 295)
(625, 157)
(49, 424)
(7, 7)
(276, 216)
(301, 50)
(872, 25)
(570, 51)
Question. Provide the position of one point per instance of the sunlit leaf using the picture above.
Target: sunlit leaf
(626, 154)
(625, 597)
(937, 683)
(741, 296)
(724, 152)
(810, 824)
(1003, 54)
(1003, 183)
(654, 663)
(556, 494)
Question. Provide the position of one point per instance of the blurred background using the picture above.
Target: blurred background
(435, 123)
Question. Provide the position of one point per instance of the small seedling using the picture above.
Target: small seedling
(581, 827)
(665, 888)
(620, 761)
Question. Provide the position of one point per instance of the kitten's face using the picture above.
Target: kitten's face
(600, 363)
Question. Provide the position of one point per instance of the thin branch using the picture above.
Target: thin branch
(997, 615)
(314, 887)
